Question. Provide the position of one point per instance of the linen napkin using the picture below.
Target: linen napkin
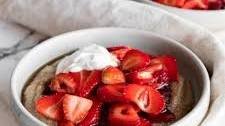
(53, 17)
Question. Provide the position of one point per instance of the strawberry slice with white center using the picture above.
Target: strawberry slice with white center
(169, 65)
(122, 114)
(88, 81)
(76, 108)
(50, 106)
(135, 59)
(144, 75)
(147, 98)
(94, 114)
(77, 83)
(111, 93)
(112, 75)
(64, 82)
(119, 51)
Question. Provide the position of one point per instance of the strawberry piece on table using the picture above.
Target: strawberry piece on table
(144, 75)
(64, 82)
(169, 65)
(135, 59)
(196, 4)
(119, 51)
(76, 108)
(65, 123)
(147, 98)
(112, 75)
(123, 115)
(89, 80)
(94, 114)
(50, 106)
(111, 93)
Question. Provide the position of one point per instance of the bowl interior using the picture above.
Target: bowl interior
(189, 65)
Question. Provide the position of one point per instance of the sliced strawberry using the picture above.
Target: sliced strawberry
(170, 66)
(123, 115)
(119, 51)
(76, 108)
(144, 75)
(167, 2)
(143, 122)
(114, 48)
(112, 75)
(215, 4)
(180, 3)
(94, 114)
(65, 123)
(146, 97)
(64, 82)
(88, 81)
(196, 4)
(50, 106)
(111, 93)
(135, 59)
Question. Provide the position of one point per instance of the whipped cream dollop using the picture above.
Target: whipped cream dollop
(92, 57)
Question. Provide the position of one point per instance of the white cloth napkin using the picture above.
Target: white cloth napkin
(53, 17)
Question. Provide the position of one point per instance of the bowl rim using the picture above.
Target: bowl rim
(205, 95)
(184, 10)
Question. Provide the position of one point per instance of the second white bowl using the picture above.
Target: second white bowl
(214, 20)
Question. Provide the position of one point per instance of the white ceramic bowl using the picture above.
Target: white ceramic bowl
(214, 20)
(189, 64)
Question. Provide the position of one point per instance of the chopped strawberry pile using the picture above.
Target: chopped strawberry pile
(195, 4)
(136, 93)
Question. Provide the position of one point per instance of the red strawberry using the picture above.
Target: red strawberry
(135, 59)
(119, 51)
(146, 97)
(50, 106)
(161, 78)
(215, 4)
(76, 108)
(65, 123)
(112, 75)
(196, 4)
(123, 115)
(167, 2)
(88, 82)
(144, 75)
(169, 64)
(94, 114)
(64, 82)
(111, 93)
(180, 3)
(143, 122)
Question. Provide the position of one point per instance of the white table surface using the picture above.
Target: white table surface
(15, 41)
